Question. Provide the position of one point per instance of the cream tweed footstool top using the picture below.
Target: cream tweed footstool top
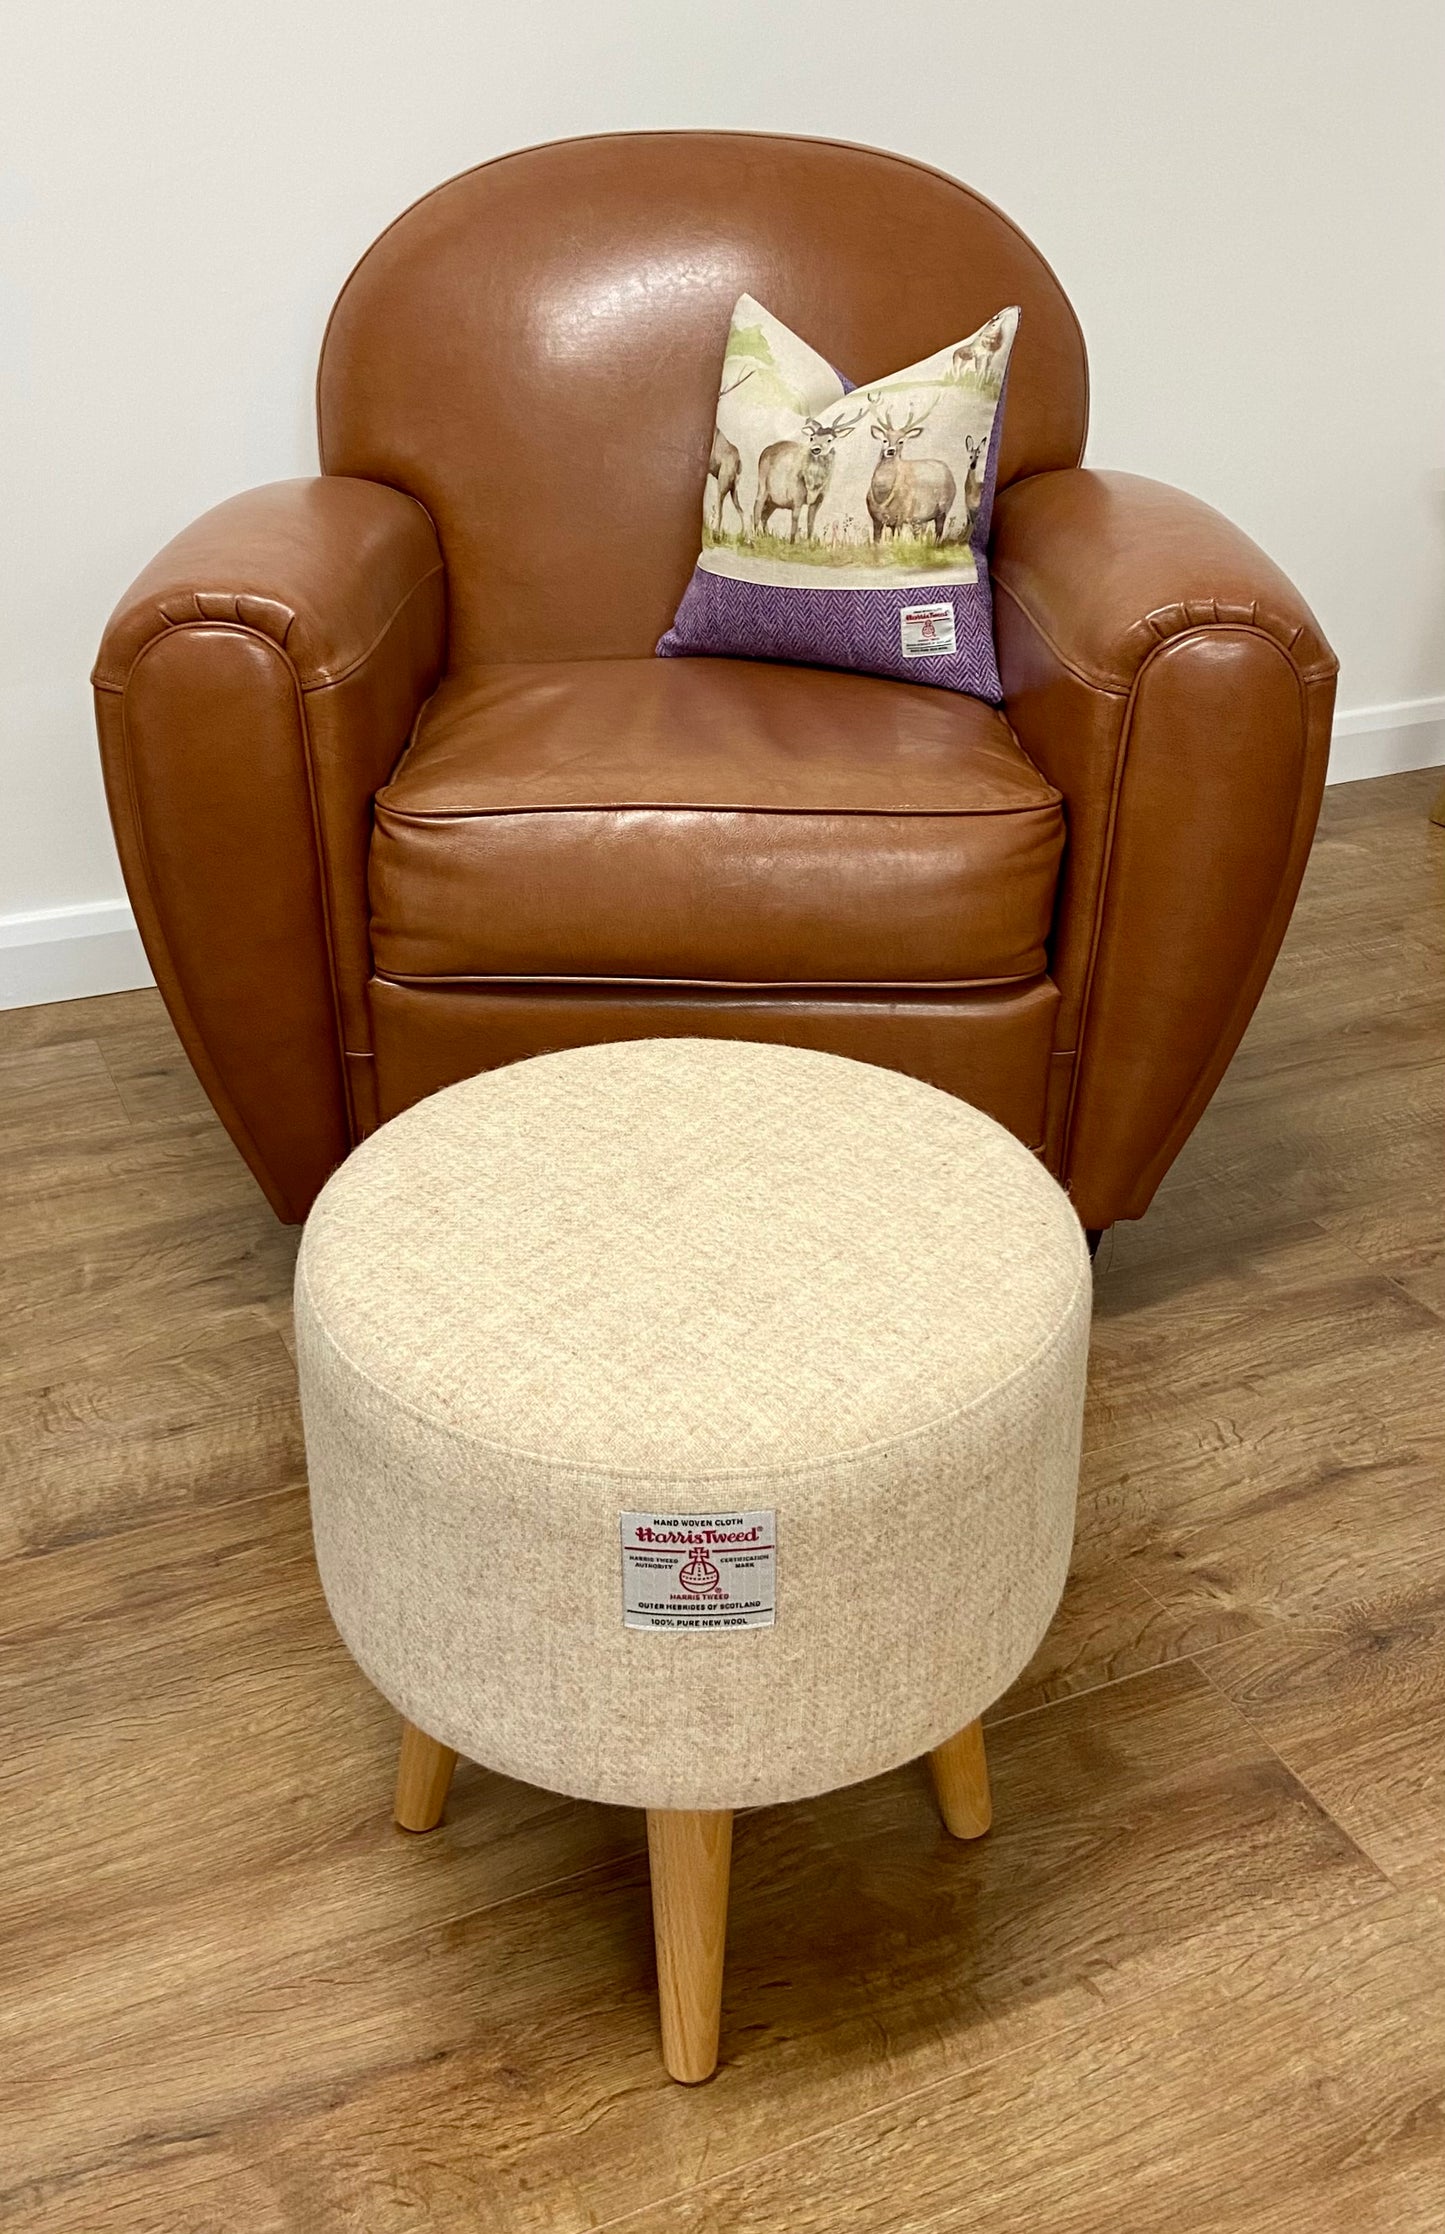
(692, 1425)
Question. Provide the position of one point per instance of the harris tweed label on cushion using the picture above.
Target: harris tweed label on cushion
(846, 527)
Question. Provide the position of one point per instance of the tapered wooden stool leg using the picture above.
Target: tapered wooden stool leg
(960, 1778)
(691, 1857)
(423, 1779)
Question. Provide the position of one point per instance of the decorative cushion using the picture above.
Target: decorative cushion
(849, 528)
(715, 821)
(562, 1317)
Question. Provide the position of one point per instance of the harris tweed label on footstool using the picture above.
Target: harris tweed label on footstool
(699, 1570)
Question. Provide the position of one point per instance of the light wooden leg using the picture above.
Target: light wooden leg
(691, 1857)
(960, 1778)
(423, 1779)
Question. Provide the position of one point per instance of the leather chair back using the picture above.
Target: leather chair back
(533, 351)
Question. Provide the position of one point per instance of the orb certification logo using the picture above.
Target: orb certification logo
(699, 1570)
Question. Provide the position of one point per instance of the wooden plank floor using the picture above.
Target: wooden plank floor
(1194, 1980)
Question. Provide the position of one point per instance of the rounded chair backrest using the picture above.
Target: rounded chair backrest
(534, 351)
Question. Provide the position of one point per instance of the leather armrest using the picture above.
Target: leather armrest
(321, 567)
(1108, 566)
(255, 687)
(1173, 684)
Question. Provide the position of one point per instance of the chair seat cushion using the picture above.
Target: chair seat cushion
(711, 821)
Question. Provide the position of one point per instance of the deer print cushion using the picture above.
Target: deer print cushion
(845, 527)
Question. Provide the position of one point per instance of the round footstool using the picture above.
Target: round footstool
(692, 1425)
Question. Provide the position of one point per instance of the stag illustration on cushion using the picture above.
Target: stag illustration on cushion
(848, 529)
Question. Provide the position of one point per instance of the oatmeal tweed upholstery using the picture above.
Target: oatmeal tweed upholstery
(692, 1276)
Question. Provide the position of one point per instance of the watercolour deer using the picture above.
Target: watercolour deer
(973, 480)
(980, 355)
(793, 476)
(725, 465)
(906, 493)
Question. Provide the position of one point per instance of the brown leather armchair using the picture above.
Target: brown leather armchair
(401, 793)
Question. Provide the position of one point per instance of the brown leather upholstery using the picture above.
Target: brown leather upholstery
(786, 827)
(516, 400)
(533, 351)
(990, 1045)
(254, 688)
(1175, 686)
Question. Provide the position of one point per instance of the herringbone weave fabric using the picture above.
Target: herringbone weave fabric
(682, 1277)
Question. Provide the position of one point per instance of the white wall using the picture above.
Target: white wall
(1244, 203)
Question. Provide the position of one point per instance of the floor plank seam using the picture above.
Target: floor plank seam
(1377, 1868)
(1106, 1683)
(873, 2110)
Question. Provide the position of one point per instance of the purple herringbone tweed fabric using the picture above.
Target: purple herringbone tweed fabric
(858, 629)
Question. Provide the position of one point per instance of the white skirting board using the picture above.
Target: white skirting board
(63, 954)
(1387, 740)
